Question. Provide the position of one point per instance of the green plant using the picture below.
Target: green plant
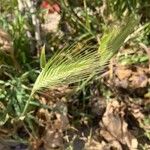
(13, 94)
(16, 27)
(119, 8)
(73, 65)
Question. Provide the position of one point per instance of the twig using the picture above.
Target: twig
(35, 20)
(28, 5)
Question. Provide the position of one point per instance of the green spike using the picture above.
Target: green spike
(70, 66)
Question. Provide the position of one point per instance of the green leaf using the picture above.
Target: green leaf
(43, 58)
(3, 118)
(2, 82)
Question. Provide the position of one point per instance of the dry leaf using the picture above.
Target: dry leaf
(98, 105)
(114, 127)
(95, 145)
(55, 123)
(139, 81)
(53, 140)
(5, 41)
(123, 73)
(4, 147)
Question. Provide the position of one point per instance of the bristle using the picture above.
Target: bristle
(74, 64)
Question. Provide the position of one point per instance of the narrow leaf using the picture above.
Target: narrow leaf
(42, 57)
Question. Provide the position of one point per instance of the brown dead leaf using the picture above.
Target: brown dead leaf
(138, 81)
(35, 143)
(4, 147)
(115, 145)
(135, 107)
(123, 73)
(53, 135)
(54, 123)
(5, 41)
(96, 145)
(114, 127)
(123, 83)
(134, 79)
(53, 140)
(62, 122)
(4, 35)
(98, 105)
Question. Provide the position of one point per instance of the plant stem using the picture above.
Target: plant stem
(27, 105)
